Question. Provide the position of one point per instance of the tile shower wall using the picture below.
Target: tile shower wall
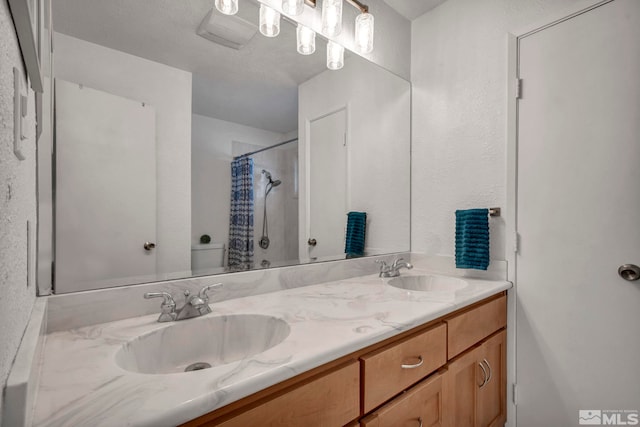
(458, 71)
(17, 204)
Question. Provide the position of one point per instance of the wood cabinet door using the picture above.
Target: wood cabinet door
(464, 378)
(328, 401)
(421, 405)
(491, 404)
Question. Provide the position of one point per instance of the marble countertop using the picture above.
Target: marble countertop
(81, 384)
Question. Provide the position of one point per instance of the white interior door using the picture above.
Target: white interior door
(105, 188)
(328, 184)
(578, 211)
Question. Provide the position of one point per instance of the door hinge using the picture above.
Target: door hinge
(518, 88)
(514, 395)
(516, 242)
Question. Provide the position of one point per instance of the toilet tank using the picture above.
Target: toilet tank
(207, 256)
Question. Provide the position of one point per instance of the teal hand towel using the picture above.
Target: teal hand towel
(356, 228)
(472, 239)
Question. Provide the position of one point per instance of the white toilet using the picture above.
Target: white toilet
(207, 256)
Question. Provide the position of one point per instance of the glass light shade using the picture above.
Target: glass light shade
(364, 32)
(306, 40)
(331, 17)
(228, 7)
(335, 56)
(269, 21)
(292, 7)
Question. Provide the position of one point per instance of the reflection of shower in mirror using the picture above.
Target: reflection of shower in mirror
(264, 240)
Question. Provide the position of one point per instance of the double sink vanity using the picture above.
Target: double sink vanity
(365, 351)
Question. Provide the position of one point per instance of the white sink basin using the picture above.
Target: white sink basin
(429, 283)
(211, 340)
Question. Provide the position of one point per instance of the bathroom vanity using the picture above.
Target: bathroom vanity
(361, 351)
(448, 372)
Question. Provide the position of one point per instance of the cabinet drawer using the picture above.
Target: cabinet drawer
(469, 328)
(388, 371)
(420, 405)
(328, 401)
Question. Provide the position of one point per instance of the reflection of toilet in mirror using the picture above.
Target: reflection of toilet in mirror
(207, 256)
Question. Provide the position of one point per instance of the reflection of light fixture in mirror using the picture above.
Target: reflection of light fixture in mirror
(306, 40)
(269, 21)
(331, 17)
(335, 56)
(228, 7)
(292, 7)
(364, 32)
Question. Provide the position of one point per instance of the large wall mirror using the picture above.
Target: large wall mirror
(186, 144)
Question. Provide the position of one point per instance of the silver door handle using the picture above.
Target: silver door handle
(148, 246)
(630, 272)
(312, 242)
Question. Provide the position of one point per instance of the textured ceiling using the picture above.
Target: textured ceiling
(411, 9)
(265, 73)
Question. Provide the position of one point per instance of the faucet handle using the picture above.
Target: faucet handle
(397, 261)
(203, 291)
(167, 308)
(383, 263)
(167, 298)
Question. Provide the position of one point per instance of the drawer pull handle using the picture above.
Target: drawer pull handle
(420, 421)
(484, 371)
(417, 365)
(486, 362)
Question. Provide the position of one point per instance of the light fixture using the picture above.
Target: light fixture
(306, 40)
(292, 7)
(306, 37)
(228, 7)
(269, 21)
(364, 32)
(331, 17)
(335, 55)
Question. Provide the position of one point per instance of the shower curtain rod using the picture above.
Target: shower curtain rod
(264, 149)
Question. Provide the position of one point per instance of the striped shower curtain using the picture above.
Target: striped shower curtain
(241, 215)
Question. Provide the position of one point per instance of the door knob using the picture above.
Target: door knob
(148, 246)
(630, 272)
(312, 242)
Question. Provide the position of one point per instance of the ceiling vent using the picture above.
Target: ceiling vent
(231, 31)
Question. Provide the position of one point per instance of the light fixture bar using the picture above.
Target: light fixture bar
(359, 5)
(355, 3)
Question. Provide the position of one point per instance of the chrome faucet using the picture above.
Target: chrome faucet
(393, 270)
(194, 305)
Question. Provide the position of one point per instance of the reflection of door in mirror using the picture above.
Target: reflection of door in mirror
(105, 151)
(328, 184)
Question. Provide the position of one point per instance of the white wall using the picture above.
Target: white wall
(379, 142)
(169, 91)
(392, 35)
(17, 204)
(459, 77)
(212, 152)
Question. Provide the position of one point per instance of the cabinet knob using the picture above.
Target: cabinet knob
(149, 246)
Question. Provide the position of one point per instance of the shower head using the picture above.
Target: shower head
(274, 183)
